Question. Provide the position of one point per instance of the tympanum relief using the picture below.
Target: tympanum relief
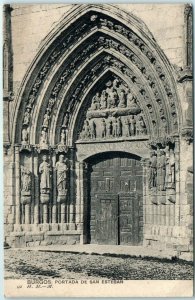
(114, 112)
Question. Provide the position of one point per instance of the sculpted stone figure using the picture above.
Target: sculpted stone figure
(132, 123)
(63, 137)
(93, 129)
(24, 136)
(25, 180)
(61, 169)
(66, 120)
(44, 137)
(95, 102)
(44, 170)
(126, 127)
(161, 171)
(119, 133)
(26, 117)
(46, 120)
(86, 131)
(163, 127)
(129, 98)
(109, 128)
(141, 127)
(115, 128)
(122, 99)
(116, 83)
(171, 168)
(103, 100)
(103, 128)
(51, 103)
(152, 170)
(112, 98)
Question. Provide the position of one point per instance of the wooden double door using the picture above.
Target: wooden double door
(115, 208)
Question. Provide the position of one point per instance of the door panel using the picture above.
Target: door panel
(106, 219)
(116, 200)
(126, 219)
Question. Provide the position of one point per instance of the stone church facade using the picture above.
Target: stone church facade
(98, 125)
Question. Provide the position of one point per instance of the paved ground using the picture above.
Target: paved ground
(21, 264)
(138, 251)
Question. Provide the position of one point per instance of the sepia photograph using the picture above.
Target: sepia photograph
(98, 150)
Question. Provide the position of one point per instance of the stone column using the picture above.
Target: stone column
(79, 195)
(72, 191)
(36, 189)
(176, 206)
(7, 71)
(45, 213)
(54, 206)
(17, 182)
(27, 213)
(144, 164)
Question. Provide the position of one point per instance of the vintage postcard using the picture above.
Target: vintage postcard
(98, 150)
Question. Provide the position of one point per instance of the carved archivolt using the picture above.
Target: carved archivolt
(75, 56)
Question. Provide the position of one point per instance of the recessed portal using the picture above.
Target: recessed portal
(115, 199)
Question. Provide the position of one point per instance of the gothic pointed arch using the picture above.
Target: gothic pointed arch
(89, 41)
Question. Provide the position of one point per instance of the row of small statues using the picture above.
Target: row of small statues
(45, 177)
(162, 170)
(115, 96)
(114, 127)
(43, 138)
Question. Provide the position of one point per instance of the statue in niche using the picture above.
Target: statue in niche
(44, 137)
(46, 120)
(109, 128)
(122, 99)
(126, 128)
(103, 128)
(95, 102)
(66, 120)
(161, 171)
(63, 137)
(25, 180)
(61, 169)
(44, 170)
(132, 123)
(119, 133)
(93, 129)
(171, 169)
(115, 128)
(141, 127)
(26, 117)
(112, 98)
(25, 132)
(152, 170)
